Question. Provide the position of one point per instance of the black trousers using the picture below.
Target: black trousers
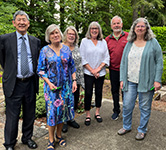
(89, 81)
(76, 97)
(24, 94)
(115, 85)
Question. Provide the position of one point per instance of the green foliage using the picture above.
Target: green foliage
(164, 71)
(40, 101)
(81, 103)
(107, 76)
(160, 33)
(6, 18)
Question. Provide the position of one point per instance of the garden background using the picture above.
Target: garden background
(80, 13)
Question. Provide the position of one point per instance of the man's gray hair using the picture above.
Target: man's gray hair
(116, 17)
(100, 35)
(20, 12)
(49, 29)
(76, 35)
(148, 34)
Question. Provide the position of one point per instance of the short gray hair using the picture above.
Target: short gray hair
(49, 29)
(76, 35)
(100, 35)
(116, 17)
(148, 35)
(20, 12)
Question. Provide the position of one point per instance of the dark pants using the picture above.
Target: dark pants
(24, 94)
(89, 81)
(115, 85)
(76, 97)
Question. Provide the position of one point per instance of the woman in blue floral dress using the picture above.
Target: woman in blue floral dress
(57, 68)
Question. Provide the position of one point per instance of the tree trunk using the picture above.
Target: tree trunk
(135, 10)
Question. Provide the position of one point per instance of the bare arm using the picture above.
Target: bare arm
(74, 87)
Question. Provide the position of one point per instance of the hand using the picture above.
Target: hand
(74, 87)
(157, 86)
(97, 75)
(95, 72)
(121, 84)
(52, 86)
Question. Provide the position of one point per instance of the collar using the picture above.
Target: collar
(112, 36)
(20, 35)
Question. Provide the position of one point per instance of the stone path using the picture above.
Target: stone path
(41, 133)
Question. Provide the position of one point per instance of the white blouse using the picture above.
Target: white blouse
(134, 62)
(94, 55)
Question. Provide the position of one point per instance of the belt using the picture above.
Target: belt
(24, 79)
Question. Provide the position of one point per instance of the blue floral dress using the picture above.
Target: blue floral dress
(59, 70)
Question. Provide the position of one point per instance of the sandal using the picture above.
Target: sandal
(123, 131)
(98, 118)
(140, 136)
(87, 121)
(51, 145)
(60, 141)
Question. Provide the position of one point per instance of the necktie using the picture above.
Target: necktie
(24, 58)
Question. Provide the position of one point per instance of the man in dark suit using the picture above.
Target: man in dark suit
(18, 57)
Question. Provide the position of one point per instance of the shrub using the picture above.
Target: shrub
(164, 71)
(40, 101)
(160, 33)
(81, 102)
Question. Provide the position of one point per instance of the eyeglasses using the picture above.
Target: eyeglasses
(71, 34)
(94, 28)
(140, 26)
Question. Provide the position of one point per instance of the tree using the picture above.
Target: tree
(6, 17)
(152, 9)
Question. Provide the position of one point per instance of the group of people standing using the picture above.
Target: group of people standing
(65, 67)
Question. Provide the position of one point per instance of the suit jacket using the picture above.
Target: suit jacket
(8, 60)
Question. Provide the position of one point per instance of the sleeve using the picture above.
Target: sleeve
(158, 61)
(123, 63)
(39, 46)
(83, 52)
(71, 63)
(42, 64)
(106, 54)
(2, 57)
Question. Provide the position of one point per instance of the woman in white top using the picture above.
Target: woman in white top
(95, 58)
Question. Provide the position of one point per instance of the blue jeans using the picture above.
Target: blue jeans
(145, 101)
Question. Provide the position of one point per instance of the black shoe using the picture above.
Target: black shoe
(73, 124)
(98, 118)
(87, 121)
(65, 128)
(10, 148)
(31, 144)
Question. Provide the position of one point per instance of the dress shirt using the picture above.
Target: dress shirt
(19, 42)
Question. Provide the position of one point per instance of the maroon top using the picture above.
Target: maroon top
(116, 49)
